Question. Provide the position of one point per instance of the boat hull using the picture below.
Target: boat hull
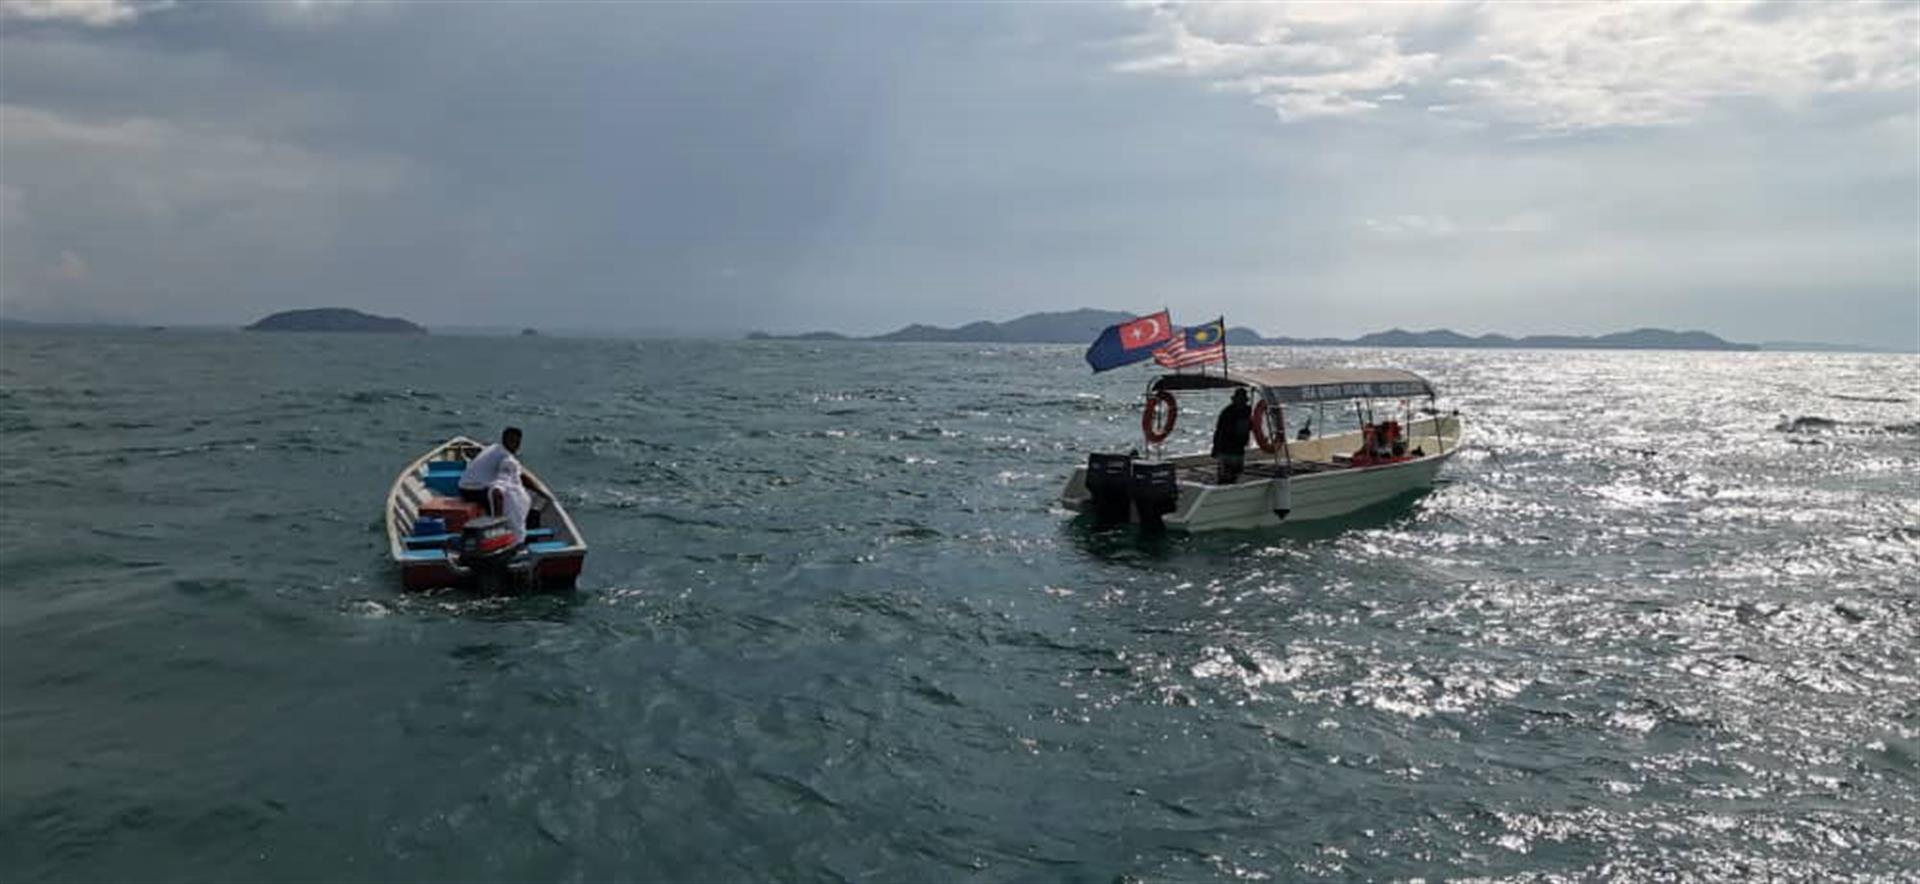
(1325, 492)
(550, 570)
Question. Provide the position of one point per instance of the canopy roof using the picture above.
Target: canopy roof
(1307, 384)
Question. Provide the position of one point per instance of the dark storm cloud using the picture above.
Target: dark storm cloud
(522, 156)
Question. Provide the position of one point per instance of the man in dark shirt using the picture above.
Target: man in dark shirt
(1230, 437)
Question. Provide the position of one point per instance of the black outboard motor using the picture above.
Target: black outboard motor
(1156, 492)
(1108, 478)
(488, 548)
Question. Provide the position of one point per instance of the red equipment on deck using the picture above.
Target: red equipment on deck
(452, 510)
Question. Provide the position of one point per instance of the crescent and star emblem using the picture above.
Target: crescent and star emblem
(1151, 330)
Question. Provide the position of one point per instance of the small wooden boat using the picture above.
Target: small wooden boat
(1390, 453)
(426, 495)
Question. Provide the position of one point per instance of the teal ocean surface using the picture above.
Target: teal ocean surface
(1661, 621)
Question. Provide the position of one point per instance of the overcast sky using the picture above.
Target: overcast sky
(1748, 169)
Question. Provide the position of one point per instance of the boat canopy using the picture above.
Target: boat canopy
(1307, 384)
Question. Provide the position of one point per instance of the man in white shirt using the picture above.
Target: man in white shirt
(485, 467)
(516, 505)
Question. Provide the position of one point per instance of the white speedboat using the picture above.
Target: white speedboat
(1393, 450)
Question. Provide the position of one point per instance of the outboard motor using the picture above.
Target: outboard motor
(1108, 478)
(1156, 491)
(487, 549)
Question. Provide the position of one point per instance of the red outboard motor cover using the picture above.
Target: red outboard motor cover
(487, 538)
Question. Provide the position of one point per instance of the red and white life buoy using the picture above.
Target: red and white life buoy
(1150, 424)
(1260, 436)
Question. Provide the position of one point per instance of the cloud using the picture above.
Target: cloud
(622, 161)
(1554, 67)
(1412, 225)
(1436, 226)
(11, 212)
(178, 210)
(92, 13)
(171, 168)
(320, 13)
(71, 268)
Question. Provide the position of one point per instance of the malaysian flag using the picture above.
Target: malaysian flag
(1196, 346)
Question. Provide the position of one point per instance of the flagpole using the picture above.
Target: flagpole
(1225, 367)
(1169, 311)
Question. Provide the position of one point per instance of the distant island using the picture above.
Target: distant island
(1082, 326)
(335, 319)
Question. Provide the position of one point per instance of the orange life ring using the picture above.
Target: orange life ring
(1260, 436)
(1150, 417)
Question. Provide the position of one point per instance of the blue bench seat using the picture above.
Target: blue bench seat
(548, 546)
(423, 555)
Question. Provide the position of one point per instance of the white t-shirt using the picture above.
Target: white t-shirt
(513, 496)
(485, 466)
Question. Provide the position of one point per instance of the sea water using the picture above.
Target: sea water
(1659, 621)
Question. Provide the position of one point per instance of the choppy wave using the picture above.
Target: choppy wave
(1657, 623)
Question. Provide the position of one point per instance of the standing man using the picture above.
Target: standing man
(1230, 437)
(485, 467)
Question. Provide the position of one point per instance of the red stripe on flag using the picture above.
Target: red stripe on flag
(1176, 355)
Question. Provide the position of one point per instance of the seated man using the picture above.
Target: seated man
(486, 467)
(1381, 441)
(510, 489)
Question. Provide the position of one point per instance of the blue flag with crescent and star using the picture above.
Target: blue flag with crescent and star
(1129, 342)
